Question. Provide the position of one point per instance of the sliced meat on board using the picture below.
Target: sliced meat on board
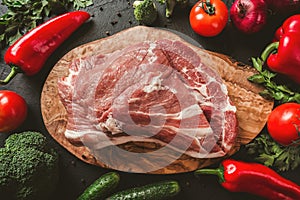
(152, 91)
(252, 110)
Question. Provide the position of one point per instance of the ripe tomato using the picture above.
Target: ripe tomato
(209, 18)
(284, 124)
(13, 110)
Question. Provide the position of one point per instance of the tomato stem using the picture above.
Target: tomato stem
(208, 7)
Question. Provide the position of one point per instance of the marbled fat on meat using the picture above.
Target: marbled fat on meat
(153, 92)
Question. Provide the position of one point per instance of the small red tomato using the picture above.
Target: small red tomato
(209, 18)
(284, 124)
(13, 110)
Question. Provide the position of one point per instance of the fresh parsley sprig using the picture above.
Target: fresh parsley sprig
(267, 151)
(272, 90)
(23, 15)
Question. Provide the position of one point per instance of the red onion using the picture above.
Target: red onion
(249, 16)
(283, 6)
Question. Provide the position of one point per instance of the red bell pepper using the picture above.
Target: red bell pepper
(254, 178)
(29, 53)
(283, 55)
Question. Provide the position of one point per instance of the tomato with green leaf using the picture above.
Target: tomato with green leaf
(284, 124)
(13, 110)
(209, 17)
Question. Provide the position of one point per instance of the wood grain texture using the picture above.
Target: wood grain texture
(252, 109)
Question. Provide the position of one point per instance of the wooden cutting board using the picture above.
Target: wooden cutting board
(252, 109)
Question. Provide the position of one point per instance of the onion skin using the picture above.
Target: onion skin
(249, 16)
(283, 6)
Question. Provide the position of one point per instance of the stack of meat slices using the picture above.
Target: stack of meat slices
(154, 91)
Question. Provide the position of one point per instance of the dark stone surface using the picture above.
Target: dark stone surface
(109, 17)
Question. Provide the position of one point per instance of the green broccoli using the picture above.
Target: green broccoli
(28, 167)
(170, 5)
(145, 11)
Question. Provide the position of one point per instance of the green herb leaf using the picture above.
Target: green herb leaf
(266, 159)
(24, 15)
(264, 77)
(266, 151)
(257, 78)
(77, 4)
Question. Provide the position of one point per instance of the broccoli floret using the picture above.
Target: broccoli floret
(170, 5)
(28, 167)
(25, 140)
(145, 11)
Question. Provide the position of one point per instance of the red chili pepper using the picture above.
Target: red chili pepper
(29, 53)
(254, 178)
(283, 55)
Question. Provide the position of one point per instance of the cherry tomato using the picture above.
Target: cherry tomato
(13, 110)
(284, 124)
(209, 18)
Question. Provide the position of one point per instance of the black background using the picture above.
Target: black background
(109, 17)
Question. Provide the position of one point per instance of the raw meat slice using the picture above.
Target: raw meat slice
(153, 92)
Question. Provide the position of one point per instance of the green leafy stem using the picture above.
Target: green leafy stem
(264, 77)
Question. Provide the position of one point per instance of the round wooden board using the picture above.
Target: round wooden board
(252, 109)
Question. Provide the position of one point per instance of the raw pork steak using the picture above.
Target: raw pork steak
(153, 92)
